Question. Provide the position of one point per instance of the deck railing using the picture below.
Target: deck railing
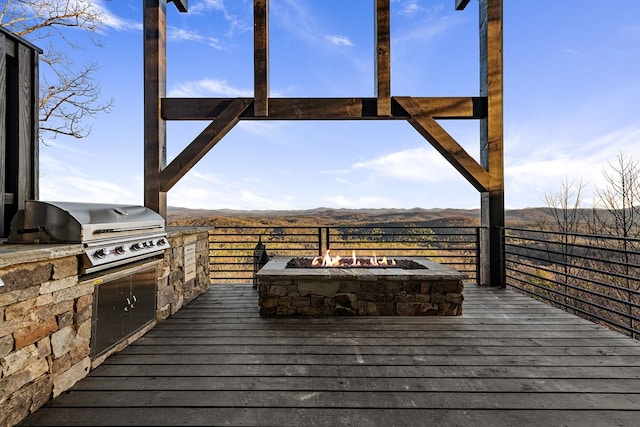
(231, 249)
(593, 276)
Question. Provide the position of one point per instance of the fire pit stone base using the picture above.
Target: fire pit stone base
(436, 290)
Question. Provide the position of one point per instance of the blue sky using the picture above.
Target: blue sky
(571, 95)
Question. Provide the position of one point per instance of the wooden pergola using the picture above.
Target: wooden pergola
(487, 175)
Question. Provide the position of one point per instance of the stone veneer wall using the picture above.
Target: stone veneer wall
(173, 291)
(45, 333)
(45, 317)
(291, 297)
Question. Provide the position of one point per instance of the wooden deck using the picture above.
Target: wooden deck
(509, 360)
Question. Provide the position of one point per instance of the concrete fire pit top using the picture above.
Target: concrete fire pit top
(276, 268)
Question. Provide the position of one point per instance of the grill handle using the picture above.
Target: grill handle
(31, 230)
(119, 230)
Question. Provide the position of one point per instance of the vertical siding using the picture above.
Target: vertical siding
(19, 152)
(3, 112)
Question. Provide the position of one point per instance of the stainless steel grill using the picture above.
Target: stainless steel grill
(112, 235)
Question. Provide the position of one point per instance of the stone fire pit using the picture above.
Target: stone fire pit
(371, 291)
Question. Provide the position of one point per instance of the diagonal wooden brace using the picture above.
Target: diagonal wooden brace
(204, 142)
(445, 144)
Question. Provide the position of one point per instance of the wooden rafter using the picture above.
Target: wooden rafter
(383, 58)
(182, 5)
(261, 57)
(326, 108)
(201, 145)
(461, 4)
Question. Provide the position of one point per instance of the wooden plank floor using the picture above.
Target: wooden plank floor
(509, 360)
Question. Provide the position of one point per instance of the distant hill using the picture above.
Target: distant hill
(334, 217)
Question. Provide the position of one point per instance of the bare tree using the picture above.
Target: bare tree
(566, 222)
(620, 199)
(68, 93)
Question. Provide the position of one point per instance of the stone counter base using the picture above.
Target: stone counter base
(361, 293)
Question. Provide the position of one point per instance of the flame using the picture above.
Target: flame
(335, 261)
(327, 260)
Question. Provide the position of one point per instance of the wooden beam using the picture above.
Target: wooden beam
(446, 145)
(461, 4)
(447, 107)
(261, 57)
(492, 142)
(155, 84)
(326, 108)
(182, 5)
(201, 145)
(383, 57)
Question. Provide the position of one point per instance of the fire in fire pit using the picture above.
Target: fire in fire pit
(352, 262)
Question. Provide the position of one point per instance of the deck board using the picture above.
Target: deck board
(508, 360)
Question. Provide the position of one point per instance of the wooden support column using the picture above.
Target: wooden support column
(155, 86)
(383, 57)
(492, 265)
(261, 58)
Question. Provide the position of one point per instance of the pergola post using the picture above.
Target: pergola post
(492, 263)
(155, 87)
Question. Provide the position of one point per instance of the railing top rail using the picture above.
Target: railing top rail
(260, 227)
(561, 233)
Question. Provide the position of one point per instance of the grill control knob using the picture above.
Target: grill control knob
(151, 243)
(161, 242)
(136, 247)
(120, 249)
(100, 253)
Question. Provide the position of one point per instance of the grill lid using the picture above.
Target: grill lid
(73, 222)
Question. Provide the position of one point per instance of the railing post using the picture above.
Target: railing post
(319, 241)
(503, 256)
(327, 240)
(477, 249)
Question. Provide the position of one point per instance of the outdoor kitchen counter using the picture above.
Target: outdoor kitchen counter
(46, 314)
(14, 253)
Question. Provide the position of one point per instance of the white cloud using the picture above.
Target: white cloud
(206, 5)
(208, 191)
(208, 88)
(410, 8)
(339, 40)
(63, 181)
(180, 34)
(110, 20)
(542, 171)
(237, 21)
(417, 165)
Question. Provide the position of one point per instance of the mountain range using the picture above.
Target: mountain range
(331, 217)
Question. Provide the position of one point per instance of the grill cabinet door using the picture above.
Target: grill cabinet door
(143, 299)
(124, 302)
(111, 314)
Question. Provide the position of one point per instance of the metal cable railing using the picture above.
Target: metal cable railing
(231, 249)
(594, 276)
